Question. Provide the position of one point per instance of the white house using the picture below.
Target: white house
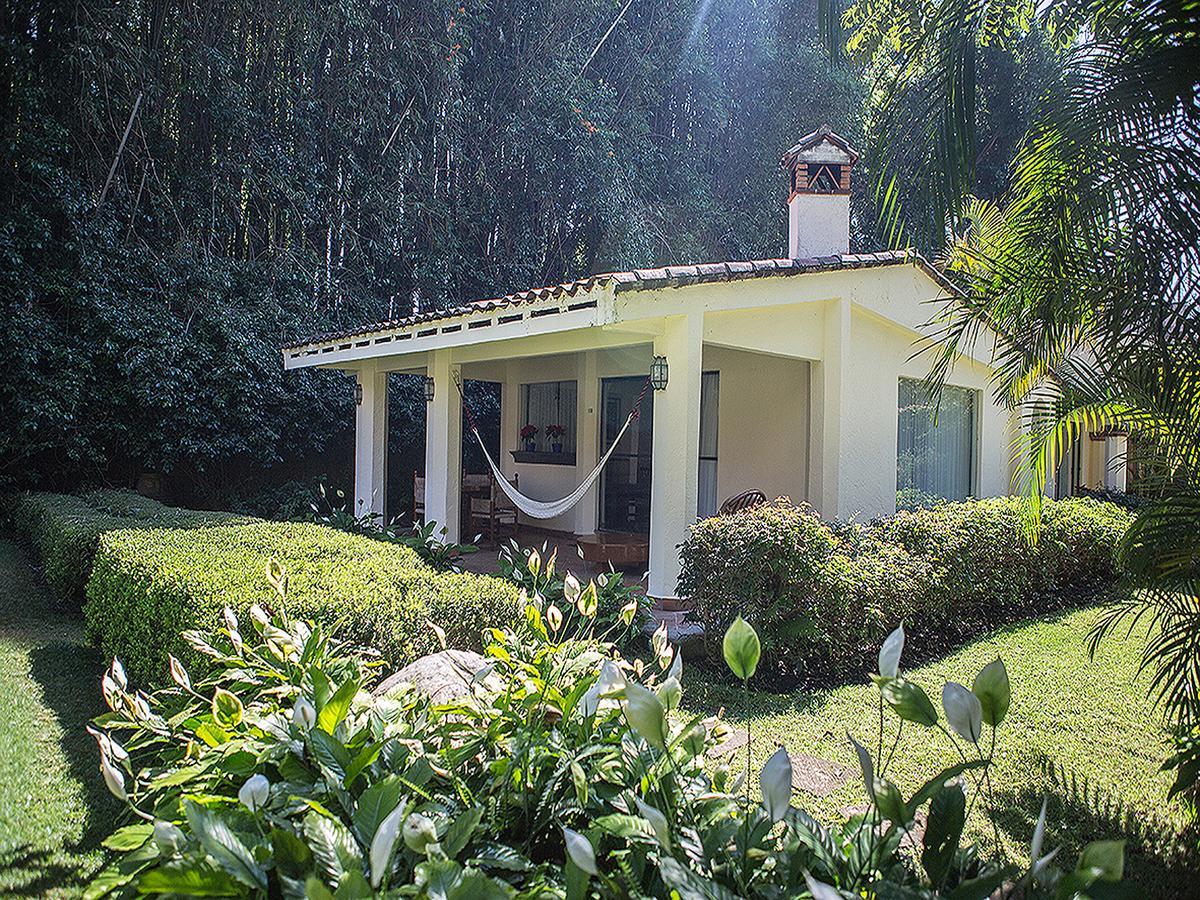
(794, 376)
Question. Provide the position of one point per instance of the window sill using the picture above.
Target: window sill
(543, 457)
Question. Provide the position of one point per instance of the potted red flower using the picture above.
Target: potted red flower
(555, 433)
(527, 434)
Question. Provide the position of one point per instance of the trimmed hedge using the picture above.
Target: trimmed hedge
(62, 532)
(149, 585)
(822, 596)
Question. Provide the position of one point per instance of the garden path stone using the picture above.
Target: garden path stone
(734, 741)
(442, 676)
(817, 776)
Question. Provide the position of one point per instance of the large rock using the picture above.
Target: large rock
(442, 676)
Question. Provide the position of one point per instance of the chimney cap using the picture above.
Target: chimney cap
(822, 145)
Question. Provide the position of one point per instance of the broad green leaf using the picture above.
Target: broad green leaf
(338, 705)
(1105, 859)
(329, 752)
(890, 802)
(191, 881)
(992, 688)
(943, 831)
(315, 890)
(292, 856)
(646, 714)
(742, 649)
(130, 837)
(224, 845)
(333, 847)
(909, 701)
(374, 805)
(462, 827)
(935, 784)
(353, 887)
(366, 756)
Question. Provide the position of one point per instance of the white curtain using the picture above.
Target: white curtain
(706, 500)
(934, 457)
(550, 403)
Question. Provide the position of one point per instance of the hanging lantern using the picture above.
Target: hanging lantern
(358, 395)
(428, 389)
(658, 373)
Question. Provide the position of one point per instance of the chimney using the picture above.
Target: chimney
(819, 194)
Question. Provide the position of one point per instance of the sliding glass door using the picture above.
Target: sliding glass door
(625, 482)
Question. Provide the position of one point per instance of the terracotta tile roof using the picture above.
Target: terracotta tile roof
(644, 279)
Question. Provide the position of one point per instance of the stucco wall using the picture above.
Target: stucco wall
(880, 353)
(762, 426)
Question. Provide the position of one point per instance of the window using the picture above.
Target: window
(935, 460)
(550, 403)
(706, 500)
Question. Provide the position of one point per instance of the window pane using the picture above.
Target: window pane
(934, 461)
(550, 403)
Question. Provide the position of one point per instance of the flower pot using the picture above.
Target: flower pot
(529, 448)
(557, 448)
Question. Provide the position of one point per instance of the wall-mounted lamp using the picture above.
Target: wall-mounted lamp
(658, 373)
(358, 395)
(428, 389)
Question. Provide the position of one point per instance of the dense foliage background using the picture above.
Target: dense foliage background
(185, 186)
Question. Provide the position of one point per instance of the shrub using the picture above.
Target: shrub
(767, 564)
(823, 594)
(150, 585)
(62, 532)
(560, 773)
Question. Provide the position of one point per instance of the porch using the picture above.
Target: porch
(740, 420)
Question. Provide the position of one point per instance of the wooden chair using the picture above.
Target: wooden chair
(495, 514)
(739, 502)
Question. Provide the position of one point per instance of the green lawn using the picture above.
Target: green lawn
(53, 809)
(1079, 731)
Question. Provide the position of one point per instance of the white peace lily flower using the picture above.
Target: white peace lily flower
(384, 843)
(114, 778)
(438, 631)
(628, 611)
(253, 794)
(657, 821)
(658, 641)
(304, 714)
(820, 890)
(118, 674)
(579, 849)
(178, 673)
(554, 617)
(676, 670)
(889, 653)
(646, 714)
(611, 679)
(670, 692)
(168, 837)
(571, 588)
(110, 690)
(963, 711)
(303, 632)
(419, 832)
(776, 782)
(141, 709)
(231, 624)
(259, 615)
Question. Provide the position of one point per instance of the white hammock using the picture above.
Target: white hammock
(548, 509)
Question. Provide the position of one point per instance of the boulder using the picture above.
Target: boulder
(442, 676)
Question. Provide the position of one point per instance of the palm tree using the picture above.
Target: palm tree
(1085, 275)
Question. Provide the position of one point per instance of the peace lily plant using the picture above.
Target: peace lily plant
(565, 770)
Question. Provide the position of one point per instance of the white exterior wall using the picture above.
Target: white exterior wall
(818, 225)
(762, 423)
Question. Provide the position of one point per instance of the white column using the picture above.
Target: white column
(443, 446)
(1115, 451)
(827, 389)
(370, 441)
(676, 450)
(587, 437)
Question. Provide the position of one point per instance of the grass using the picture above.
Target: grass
(53, 808)
(1079, 732)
